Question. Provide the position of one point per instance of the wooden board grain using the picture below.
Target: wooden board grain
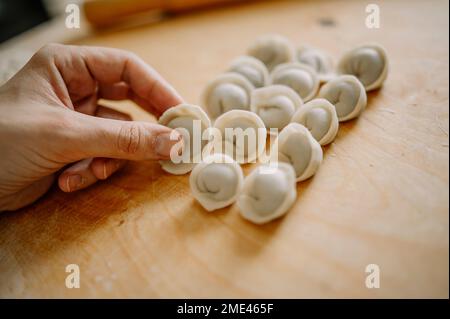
(381, 195)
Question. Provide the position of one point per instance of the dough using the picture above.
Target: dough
(268, 193)
(240, 146)
(275, 104)
(216, 181)
(183, 116)
(347, 94)
(295, 145)
(272, 50)
(319, 60)
(227, 92)
(368, 63)
(300, 77)
(320, 117)
(252, 69)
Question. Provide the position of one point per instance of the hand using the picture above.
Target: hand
(50, 118)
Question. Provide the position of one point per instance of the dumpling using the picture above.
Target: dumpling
(227, 92)
(347, 94)
(319, 60)
(268, 193)
(272, 50)
(242, 136)
(300, 77)
(320, 117)
(275, 105)
(252, 69)
(295, 145)
(216, 181)
(368, 63)
(182, 117)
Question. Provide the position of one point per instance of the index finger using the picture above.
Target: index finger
(109, 66)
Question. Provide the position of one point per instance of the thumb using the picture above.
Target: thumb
(130, 140)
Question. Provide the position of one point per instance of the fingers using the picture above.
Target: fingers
(105, 167)
(109, 113)
(83, 67)
(77, 176)
(87, 105)
(114, 91)
(27, 195)
(112, 66)
(122, 91)
(90, 136)
(87, 172)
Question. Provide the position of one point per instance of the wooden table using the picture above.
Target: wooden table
(380, 197)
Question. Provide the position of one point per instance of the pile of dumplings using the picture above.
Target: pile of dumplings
(274, 88)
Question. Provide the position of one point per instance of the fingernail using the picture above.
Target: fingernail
(164, 143)
(109, 167)
(74, 182)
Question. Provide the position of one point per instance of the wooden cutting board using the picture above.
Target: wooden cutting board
(380, 197)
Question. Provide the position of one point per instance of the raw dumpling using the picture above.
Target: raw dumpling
(216, 181)
(347, 94)
(182, 117)
(242, 136)
(252, 69)
(295, 145)
(268, 193)
(368, 63)
(227, 92)
(272, 50)
(275, 105)
(300, 77)
(320, 61)
(320, 117)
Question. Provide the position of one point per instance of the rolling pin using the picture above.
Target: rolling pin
(103, 13)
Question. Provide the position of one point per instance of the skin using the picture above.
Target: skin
(52, 127)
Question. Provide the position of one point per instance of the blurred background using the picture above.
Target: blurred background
(18, 16)
(26, 25)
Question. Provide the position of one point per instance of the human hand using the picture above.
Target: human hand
(50, 118)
